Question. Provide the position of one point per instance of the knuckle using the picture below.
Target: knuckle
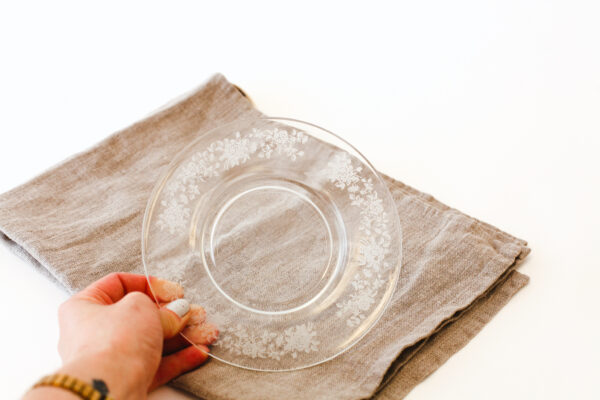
(63, 309)
(137, 300)
(113, 275)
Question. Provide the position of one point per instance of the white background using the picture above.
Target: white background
(491, 106)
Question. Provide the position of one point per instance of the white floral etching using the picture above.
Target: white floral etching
(281, 141)
(297, 339)
(221, 156)
(375, 243)
(373, 248)
(341, 172)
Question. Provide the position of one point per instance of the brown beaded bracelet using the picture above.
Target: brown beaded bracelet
(74, 385)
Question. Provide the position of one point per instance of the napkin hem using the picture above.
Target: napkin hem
(447, 341)
(403, 359)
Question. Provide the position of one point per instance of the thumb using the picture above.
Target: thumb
(174, 316)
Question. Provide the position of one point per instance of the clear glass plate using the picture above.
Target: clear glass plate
(284, 233)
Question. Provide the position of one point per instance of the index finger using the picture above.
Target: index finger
(115, 286)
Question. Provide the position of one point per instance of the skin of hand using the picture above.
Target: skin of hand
(113, 330)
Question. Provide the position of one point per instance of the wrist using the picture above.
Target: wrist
(50, 392)
(123, 379)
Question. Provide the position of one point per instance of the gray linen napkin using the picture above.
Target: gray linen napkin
(81, 220)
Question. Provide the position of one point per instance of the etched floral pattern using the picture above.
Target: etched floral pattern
(267, 344)
(234, 151)
(173, 215)
(221, 156)
(375, 244)
(280, 140)
(341, 172)
(300, 338)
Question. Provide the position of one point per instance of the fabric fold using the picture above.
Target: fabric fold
(82, 219)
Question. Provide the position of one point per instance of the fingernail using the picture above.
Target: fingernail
(179, 307)
(197, 315)
(201, 334)
(166, 290)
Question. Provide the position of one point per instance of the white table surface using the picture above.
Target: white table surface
(493, 107)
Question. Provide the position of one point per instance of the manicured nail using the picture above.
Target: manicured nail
(179, 307)
(166, 290)
(197, 315)
(201, 334)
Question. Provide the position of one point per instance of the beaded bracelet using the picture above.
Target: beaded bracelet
(96, 391)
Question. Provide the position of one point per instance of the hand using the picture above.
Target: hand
(113, 330)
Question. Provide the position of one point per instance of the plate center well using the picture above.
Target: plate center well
(270, 249)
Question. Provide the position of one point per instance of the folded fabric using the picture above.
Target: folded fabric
(82, 219)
